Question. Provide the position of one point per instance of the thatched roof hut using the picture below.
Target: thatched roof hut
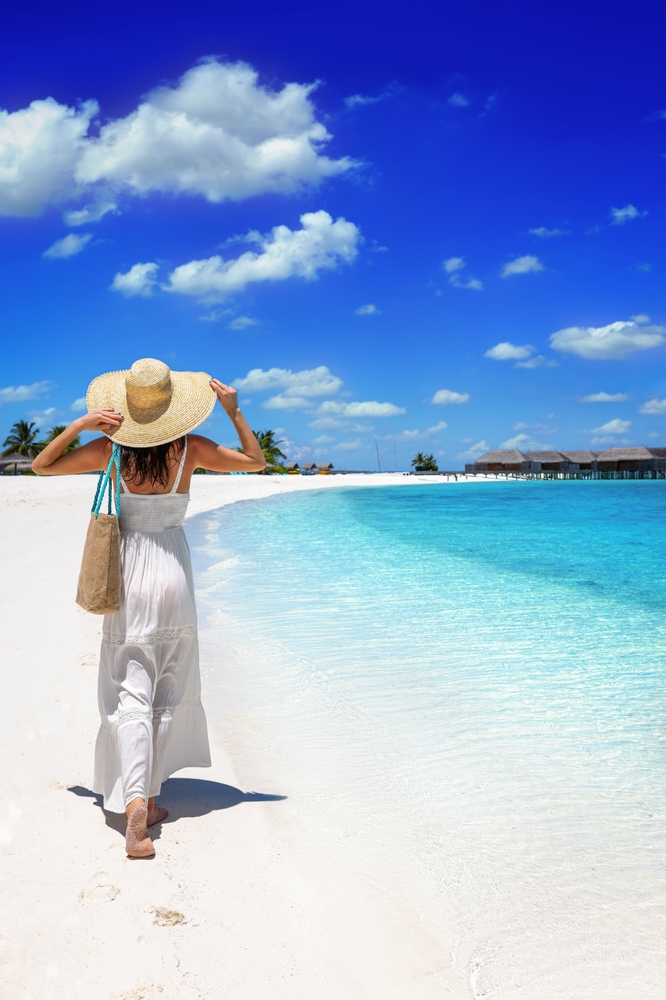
(637, 459)
(292, 467)
(584, 459)
(324, 466)
(550, 461)
(309, 466)
(510, 460)
(11, 464)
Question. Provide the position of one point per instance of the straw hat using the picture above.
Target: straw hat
(158, 405)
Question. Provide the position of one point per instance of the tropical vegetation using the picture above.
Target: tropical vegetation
(424, 463)
(53, 434)
(22, 440)
(271, 450)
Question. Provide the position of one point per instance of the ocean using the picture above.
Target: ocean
(466, 683)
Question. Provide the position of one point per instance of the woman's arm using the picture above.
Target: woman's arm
(208, 455)
(92, 457)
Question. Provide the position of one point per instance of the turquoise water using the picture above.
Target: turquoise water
(465, 683)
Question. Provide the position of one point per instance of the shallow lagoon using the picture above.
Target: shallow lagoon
(465, 683)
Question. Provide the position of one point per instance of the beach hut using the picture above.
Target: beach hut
(584, 459)
(551, 461)
(659, 455)
(626, 460)
(10, 465)
(510, 460)
(324, 468)
(293, 468)
(309, 468)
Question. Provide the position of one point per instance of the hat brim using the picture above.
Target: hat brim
(192, 401)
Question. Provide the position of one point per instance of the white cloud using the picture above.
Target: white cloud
(323, 439)
(242, 323)
(640, 318)
(616, 426)
(522, 265)
(655, 407)
(43, 417)
(538, 428)
(605, 397)
(453, 266)
(610, 342)
(458, 100)
(310, 382)
(475, 450)
(349, 445)
(436, 428)
(445, 397)
(68, 246)
(284, 402)
(539, 361)
(361, 100)
(333, 424)
(217, 133)
(506, 351)
(369, 310)
(89, 213)
(545, 234)
(321, 243)
(365, 409)
(139, 280)
(621, 215)
(79, 405)
(39, 149)
(525, 442)
(19, 393)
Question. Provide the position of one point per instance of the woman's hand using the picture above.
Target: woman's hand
(227, 396)
(99, 420)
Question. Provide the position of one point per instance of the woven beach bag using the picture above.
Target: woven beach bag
(99, 580)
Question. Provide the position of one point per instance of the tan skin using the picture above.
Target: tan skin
(202, 453)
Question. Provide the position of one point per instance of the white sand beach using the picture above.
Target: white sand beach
(239, 903)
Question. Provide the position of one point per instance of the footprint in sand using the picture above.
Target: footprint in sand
(168, 918)
(99, 887)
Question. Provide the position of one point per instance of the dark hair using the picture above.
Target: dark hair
(153, 465)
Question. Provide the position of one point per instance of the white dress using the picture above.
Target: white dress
(149, 692)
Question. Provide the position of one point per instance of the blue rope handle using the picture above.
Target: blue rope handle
(105, 480)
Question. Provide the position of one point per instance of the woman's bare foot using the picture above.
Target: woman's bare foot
(156, 814)
(137, 842)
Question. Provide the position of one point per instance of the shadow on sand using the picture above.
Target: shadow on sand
(184, 797)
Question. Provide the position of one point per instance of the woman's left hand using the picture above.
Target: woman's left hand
(227, 396)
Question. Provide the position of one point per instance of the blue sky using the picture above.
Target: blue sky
(436, 225)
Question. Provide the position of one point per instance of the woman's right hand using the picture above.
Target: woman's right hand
(99, 420)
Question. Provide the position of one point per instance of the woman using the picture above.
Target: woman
(153, 722)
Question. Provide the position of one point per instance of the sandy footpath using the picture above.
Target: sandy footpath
(235, 905)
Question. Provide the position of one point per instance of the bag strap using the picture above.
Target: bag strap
(105, 480)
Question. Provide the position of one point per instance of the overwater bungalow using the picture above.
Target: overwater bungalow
(552, 461)
(626, 460)
(585, 459)
(510, 460)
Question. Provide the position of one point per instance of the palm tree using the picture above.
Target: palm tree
(53, 434)
(271, 450)
(22, 440)
(424, 463)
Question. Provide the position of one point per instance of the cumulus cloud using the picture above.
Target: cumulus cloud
(310, 382)
(242, 323)
(323, 439)
(546, 234)
(19, 393)
(445, 397)
(369, 310)
(506, 351)
(458, 100)
(522, 265)
(605, 397)
(539, 361)
(616, 426)
(217, 133)
(525, 442)
(621, 215)
(640, 318)
(139, 280)
(89, 213)
(475, 450)
(605, 343)
(79, 405)
(320, 244)
(453, 267)
(68, 246)
(654, 407)
(364, 409)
